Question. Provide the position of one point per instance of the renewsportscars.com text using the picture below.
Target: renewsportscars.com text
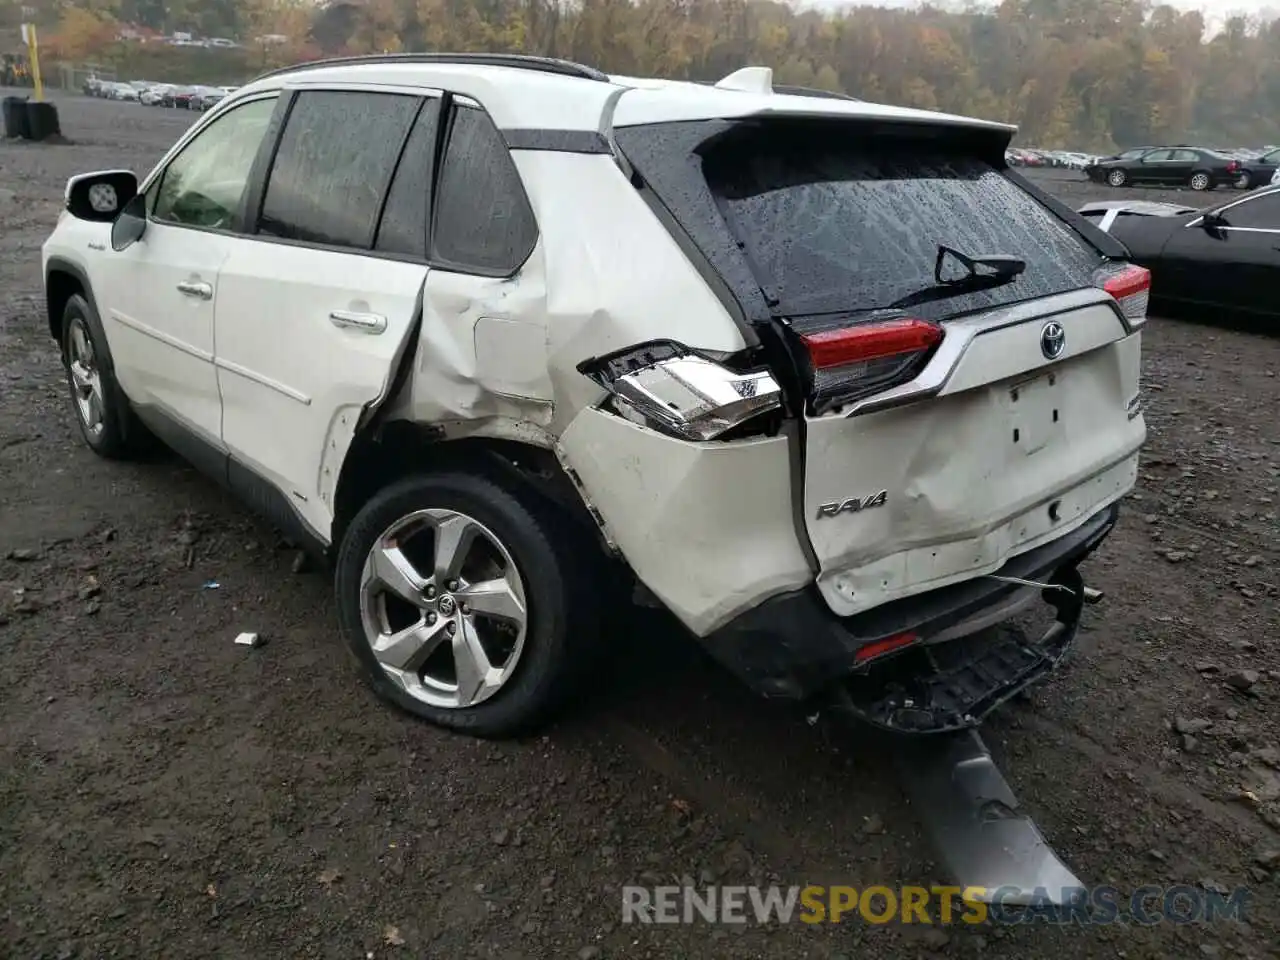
(943, 905)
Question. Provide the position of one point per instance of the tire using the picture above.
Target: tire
(1245, 182)
(1200, 182)
(107, 422)
(538, 663)
(1117, 178)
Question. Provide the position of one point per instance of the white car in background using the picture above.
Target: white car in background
(496, 335)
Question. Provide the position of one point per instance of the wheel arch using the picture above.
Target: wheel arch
(387, 451)
(62, 281)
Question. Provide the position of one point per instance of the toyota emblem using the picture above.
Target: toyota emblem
(1053, 340)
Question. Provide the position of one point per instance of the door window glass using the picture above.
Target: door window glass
(204, 185)
(1260, 213)
(333, 166)
(404, 220)
(1157, 155)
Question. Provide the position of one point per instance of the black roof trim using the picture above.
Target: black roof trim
(793, 91)
(564, 68)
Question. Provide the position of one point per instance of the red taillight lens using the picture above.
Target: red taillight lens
(1233, 166)
(856, 361)
(1131, 286)
(834, 348)
(880, 647)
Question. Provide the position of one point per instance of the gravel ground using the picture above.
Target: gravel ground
(164, 792)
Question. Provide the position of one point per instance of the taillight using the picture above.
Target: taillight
(667, 387)
(1233, 166)
(1131, 286)
(855, 362)
(879, 648)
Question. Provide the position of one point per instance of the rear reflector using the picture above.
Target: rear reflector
(857, 361)
(1131, 286)
(889, 644)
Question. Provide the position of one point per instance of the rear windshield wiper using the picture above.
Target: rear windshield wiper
(980, 273)
(993, 266)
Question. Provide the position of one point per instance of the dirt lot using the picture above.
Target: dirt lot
(165, 793)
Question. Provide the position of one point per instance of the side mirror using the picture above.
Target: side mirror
(1213, 223)
(99, 197)
(130, 225)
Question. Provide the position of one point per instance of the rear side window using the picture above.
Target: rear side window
(333, 166)
(838, 227)
(483, 222)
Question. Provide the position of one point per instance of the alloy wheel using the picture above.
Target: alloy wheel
(86, 381)
(443, 608)
(1116, 178)
(1200, 181)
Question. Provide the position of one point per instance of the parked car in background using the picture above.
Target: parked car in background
(1019, 157)
(1194, 167)
(123, 91)
(182, 97)
(1224, 257)
(154, 96)
(1259, 172)
(206, 97)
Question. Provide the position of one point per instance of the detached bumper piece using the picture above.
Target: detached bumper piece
(930, 663)
(973, 818)
(954, 685)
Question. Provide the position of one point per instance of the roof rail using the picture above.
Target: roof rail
(564, 68)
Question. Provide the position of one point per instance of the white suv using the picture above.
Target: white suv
(499, 334)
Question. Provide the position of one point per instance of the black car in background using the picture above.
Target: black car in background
(1224, 258)
(1193, 167)
(1258, 173)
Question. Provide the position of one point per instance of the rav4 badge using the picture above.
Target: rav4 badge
(852, 505)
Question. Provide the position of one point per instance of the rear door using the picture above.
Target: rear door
(1183, 163)
(314, 311)
(949, 426)
(1154, 167)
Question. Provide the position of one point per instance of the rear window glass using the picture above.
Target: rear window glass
(838, 228)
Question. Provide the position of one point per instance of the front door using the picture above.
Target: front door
(158, 298)
(1252, 275)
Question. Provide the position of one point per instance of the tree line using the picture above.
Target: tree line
(1082, 74)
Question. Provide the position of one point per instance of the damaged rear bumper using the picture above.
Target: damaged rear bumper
(966, 661)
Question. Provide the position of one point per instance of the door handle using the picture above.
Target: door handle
(194, 288)
(365, 322)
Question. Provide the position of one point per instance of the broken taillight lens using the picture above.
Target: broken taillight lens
(880, 648)
(670, 388)
(854, 362)
(1131, 287)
